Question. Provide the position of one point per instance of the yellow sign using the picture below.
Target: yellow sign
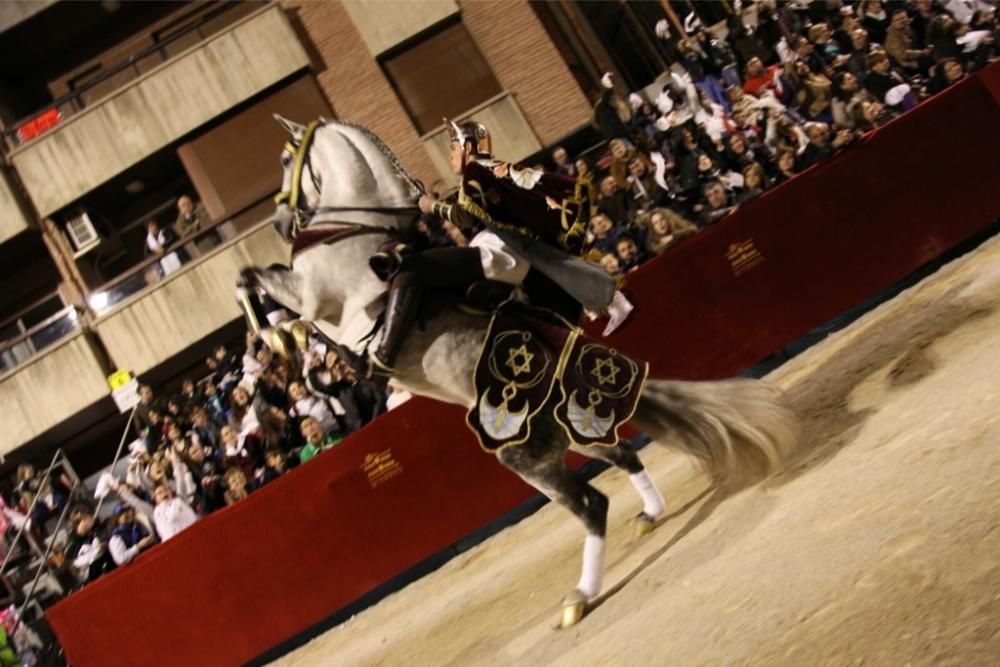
(381, 467)
(119, 379)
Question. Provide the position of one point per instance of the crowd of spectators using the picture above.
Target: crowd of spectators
(742, 114)
(211, 445)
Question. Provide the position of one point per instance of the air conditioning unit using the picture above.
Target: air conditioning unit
(82, 234)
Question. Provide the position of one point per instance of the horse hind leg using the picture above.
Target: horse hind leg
(624, 457)
(541, 463)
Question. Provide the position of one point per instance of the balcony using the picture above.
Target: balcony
(513, 138)
(159, 107)
(142, 329)
(50, 386)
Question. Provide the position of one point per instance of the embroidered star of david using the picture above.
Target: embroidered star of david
(522, 352)
(605, 371)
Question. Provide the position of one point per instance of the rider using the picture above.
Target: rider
(529, 218)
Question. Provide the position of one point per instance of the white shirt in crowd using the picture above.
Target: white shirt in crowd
(172, 516)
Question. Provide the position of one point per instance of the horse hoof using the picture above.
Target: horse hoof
(574, 606)
(644, 524)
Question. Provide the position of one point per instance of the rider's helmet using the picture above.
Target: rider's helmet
(474, 133)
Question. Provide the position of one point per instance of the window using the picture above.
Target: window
(441, 76)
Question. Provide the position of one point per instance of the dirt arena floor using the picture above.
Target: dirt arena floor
(879, 545)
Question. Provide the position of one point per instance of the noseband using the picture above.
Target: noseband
(303, 214)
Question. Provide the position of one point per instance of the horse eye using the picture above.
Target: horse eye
(286, 160)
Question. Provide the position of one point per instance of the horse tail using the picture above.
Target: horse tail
(740, 430)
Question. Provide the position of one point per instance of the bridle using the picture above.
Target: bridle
(302, 214)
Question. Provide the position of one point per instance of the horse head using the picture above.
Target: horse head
(340, 174)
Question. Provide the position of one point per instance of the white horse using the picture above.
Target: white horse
(341, 179)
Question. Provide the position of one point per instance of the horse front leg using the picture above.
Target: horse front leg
(281, 284)
(541, 462)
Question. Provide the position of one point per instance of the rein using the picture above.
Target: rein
(303, 214)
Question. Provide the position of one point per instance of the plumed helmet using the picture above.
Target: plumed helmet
(471, 132)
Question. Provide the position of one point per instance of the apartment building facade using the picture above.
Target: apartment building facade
(122, 108)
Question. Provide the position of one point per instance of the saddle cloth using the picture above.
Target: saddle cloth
(533, 359)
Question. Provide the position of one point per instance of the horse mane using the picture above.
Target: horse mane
(397, 165)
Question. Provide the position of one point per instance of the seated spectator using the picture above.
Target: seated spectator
(881, 79)
(242, 415)
(646, 193)
(316, 439)
(560, 158)
(847, 92)
(158, 239)
(275, 465)
(613, 202)
(870, 116)
(236, 485)
(820, 145)
(717, 205)
(899, 43)
(610, 263)
(322, 408)
(709, 172)
(621, 153)
(205, 470)
(784, 165)
(129, 536)
(603, 233)
(665, 228)
(759, 80)
(279, 431)
(946, 72)
(203, 430)
(171, 514)
(812, 92)
(238, 452)
(874, 19)
(857, 59)
(88, 547)
(827, 49)
(739, 155)
(629, 254)
(755, 182)
(584, 171)
(191, 218)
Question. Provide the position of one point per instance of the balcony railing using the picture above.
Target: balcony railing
(155, 268)
(50, 330)
(201, 27)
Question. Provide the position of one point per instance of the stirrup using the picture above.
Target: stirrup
(385, 263)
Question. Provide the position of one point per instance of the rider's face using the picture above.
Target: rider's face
(457, 157)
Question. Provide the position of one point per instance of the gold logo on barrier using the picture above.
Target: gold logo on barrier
(380, 467)
(743, 256)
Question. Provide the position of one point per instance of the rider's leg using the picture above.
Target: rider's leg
(544, 292)
(438, 267)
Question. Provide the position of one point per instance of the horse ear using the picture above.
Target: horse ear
(293, 128)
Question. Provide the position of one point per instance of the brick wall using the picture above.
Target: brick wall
(511, 39)
(353, 81)
(526, 61)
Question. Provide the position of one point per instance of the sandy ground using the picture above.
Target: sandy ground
(880, 545)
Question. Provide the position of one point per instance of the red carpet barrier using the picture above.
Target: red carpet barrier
(823, 242)
(247, 578)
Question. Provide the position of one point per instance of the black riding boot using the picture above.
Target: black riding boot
(400, 311)
(436, 268)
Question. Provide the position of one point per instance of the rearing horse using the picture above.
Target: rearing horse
(344, 194)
